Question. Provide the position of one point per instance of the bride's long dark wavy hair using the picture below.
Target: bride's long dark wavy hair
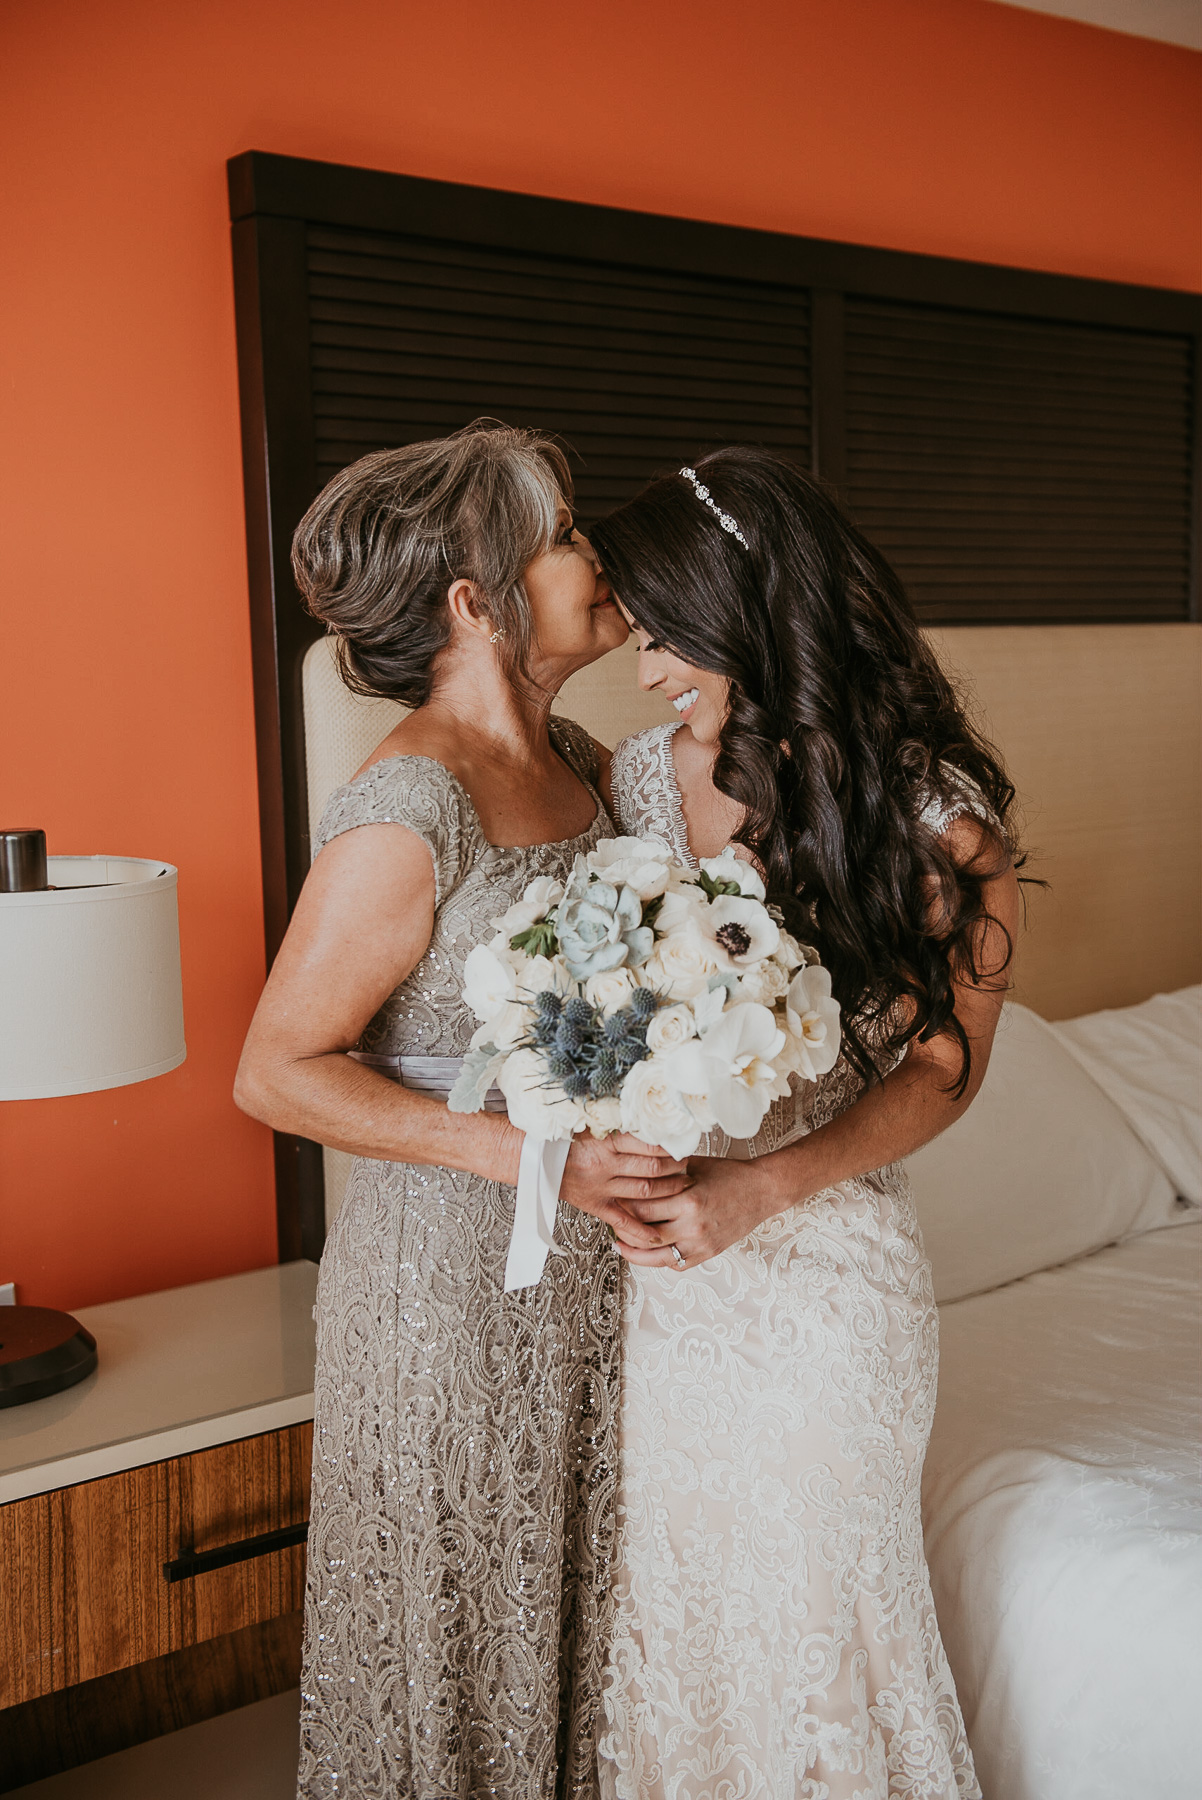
(841, 728)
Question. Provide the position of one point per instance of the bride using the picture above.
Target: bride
(775, 1633)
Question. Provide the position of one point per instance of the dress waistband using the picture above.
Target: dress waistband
(435, 1075)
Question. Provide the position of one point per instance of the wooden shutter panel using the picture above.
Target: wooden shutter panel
(639, 370)
(1017, 469)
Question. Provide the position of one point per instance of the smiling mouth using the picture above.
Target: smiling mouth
(683, 702)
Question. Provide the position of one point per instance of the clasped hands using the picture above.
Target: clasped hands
(651, 1201)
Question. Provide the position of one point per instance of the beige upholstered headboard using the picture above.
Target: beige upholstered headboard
(1101, 728)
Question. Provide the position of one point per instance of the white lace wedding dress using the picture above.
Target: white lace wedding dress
(775, 1636)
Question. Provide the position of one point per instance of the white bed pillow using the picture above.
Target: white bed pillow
(1042, 1167)
(1148, 1060)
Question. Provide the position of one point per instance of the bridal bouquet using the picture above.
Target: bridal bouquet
(644, 998)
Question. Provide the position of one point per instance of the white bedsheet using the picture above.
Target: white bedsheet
(1064, 1524)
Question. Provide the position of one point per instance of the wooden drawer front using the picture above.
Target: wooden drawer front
(82, 1589)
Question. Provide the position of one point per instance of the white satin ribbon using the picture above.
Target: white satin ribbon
(540, 1167)
(540, 1171)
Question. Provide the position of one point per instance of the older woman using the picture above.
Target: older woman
(464, 1450)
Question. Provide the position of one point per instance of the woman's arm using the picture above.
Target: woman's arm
(893, 1119)
(363, 922)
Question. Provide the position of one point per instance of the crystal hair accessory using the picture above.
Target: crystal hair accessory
(724, 519)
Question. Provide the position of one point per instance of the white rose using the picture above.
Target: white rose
(489, 981)
(534, 1106)
(729, 866)
(740, 931)
(812, 1017)
(789, 953)
(728, 1077)
(681, 906)
(611, 989)
(639, 863)
(764, 982)
(681, 965)
(604, 1115)
(670, 1027)
(652, 1109)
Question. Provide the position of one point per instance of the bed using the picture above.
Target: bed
(1062, 1502)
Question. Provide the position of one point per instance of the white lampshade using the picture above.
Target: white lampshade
(89, 978)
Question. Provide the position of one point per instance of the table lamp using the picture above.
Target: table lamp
(89, 998)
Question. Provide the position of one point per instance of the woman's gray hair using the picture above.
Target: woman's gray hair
(382, 543)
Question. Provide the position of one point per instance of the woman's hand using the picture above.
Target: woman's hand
(725, 1200)
(608, 1177)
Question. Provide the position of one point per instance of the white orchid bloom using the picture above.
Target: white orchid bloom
(741, 931)
(728, 1077)
(729, 866)
(639, 863)
(812, 1017)
(490, 981)
(652, 1109)
(708, 1008)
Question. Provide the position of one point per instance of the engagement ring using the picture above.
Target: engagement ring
(680, 1263)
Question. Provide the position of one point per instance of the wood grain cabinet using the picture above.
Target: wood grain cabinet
(113, 1573)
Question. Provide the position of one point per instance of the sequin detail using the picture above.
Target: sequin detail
(464, 1446)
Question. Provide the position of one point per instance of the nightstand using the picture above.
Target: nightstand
(152, 1522)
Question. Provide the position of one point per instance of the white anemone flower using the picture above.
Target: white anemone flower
(728, 866)
(728, 1077)
(812, 1016)
(490, 981)
(741, 931)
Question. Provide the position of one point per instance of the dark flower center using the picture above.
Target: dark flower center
(734, 938)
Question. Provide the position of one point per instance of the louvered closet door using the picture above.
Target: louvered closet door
(1020, 469)
(638, 370)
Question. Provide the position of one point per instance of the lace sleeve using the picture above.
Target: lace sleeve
(646, 797)
(413, 791)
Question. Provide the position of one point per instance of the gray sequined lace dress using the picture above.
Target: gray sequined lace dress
(463, 1462)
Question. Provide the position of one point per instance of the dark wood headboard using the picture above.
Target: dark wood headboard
(1024, 447)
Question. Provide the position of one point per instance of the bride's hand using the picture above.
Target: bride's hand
(609, 1176)
(726, 1200)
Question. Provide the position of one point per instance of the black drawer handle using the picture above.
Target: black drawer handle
(199, 1562)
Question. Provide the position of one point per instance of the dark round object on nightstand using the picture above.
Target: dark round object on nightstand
(41, 1352)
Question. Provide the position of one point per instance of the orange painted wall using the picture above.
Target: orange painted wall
(953, 126)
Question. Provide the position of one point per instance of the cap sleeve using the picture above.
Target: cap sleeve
(576, 747)
(413, 791)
